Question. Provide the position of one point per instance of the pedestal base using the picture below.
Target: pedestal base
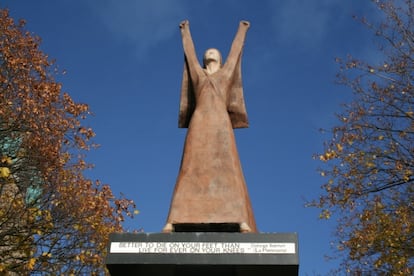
(217, 254)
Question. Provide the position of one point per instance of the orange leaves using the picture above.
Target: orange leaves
(49, 211)
(87, 132)
(73, 108)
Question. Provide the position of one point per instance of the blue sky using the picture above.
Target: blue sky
(125, 59)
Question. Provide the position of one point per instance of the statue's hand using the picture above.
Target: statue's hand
(245, 23)
(184, 23)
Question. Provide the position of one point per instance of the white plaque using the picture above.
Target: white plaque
(204, 247)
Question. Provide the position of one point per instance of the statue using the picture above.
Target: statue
(210, 187)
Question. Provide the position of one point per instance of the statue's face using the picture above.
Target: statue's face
(212, 55)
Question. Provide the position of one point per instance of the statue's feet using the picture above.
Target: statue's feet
(245, 228)
(168, 228)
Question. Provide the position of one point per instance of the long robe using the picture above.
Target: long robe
(210, 187)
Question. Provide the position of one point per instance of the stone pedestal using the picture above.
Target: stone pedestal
(203, 253)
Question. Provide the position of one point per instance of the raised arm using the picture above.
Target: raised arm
(237, 46)
(188, 46)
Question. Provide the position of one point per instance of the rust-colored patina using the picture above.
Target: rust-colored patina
(210, 187)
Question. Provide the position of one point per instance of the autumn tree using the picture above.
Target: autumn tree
(369, 161)
(53, 219)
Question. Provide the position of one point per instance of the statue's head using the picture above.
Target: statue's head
(212, 54)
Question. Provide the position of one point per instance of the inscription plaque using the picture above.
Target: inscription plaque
(203, 247)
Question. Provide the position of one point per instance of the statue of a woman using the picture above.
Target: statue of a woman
(210, 187)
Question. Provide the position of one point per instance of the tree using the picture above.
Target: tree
(369, 161)
(52, 218)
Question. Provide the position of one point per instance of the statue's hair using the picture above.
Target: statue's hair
(204, 59)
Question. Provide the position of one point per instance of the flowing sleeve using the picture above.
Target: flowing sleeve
(235, 99)
(190, 74)
(187, 101)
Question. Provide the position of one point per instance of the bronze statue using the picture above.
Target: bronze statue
(210, 187)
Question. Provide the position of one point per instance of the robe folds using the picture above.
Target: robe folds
(210, 186)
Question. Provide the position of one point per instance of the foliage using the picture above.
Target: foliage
(369, 162)
(52, 218)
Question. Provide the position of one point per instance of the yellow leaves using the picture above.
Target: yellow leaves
(388, 233)
(38, 212)
(6, 160)
(4, 172)
(31, 263)
(372, 192)
(370, 164)
(47, 215)
(325, 214)
(378, 263)
(136, 212)
(410, 114)
(379, 205)
(403, 134)
(87, 256)
(407, 175)
(46, 254)
(330, 154)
